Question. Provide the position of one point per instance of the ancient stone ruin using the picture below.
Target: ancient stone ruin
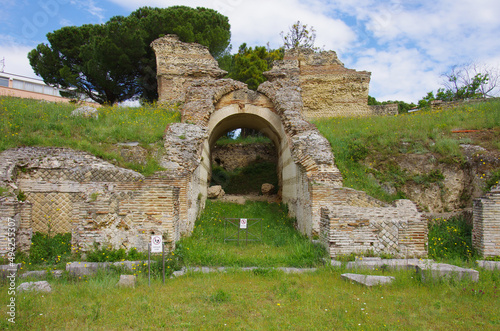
(101, 204)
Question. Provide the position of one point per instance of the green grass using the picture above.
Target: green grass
(369, 145)
(281, 244)
(25, 122)
(259, 301)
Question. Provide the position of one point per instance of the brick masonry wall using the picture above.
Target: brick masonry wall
(399, 230)
(486, 224)
(71, 191)
(9, 210)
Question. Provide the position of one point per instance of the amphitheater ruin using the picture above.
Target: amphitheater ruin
(71, 191)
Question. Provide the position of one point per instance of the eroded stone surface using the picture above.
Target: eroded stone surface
(368, 280)
(127, 281)
(215, 192)
(442, 270)
(86, 111)
(489, 265)
(41, 286)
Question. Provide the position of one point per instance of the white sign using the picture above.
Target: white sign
(243, 223)
(156, 244)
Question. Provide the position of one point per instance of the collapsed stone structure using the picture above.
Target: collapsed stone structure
(100, 203)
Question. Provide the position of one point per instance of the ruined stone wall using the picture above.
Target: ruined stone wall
(71, 191)
(179, 64)
(486, 224)
(399, 230)
(329, 89)
(234, 156)
(384, 110)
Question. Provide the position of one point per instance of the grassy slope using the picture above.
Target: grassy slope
(25, 122)
(383, 138)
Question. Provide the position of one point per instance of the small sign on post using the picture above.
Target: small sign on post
(243, 223)
(156, 244)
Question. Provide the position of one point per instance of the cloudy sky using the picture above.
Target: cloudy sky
(406, 44)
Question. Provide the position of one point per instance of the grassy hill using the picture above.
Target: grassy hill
(374, 154)
(371, 152)
(25, 122)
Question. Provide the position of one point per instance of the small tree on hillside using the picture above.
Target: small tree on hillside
(299, 35)
(469, 81)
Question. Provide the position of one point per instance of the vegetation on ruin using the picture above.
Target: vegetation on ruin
(249, 64)
(25, 122)
(365, 149)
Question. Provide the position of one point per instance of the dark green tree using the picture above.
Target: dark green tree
(113, 62)
(249, 64)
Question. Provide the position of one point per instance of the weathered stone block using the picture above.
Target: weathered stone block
(127, 281)
(368, 280)
(442, 270)
(41, 286)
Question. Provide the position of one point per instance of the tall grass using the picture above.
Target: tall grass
(381, 139)
(25, 122)
(281, 244)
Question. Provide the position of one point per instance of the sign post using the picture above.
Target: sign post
(155, 246)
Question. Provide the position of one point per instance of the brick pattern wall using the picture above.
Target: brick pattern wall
(399, 230)
(71, 191)
(486, 224)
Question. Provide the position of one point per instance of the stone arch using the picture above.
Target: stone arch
(248, 109)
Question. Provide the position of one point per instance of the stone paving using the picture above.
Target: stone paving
(426, 268)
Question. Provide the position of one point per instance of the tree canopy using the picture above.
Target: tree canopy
(249, 63)
(113, 62)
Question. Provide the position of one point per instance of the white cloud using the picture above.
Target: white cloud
(65, 22)
(399, 74)
(90, 7)
(16, 59)
(260, 21)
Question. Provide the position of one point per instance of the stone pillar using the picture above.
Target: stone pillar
(179, 64)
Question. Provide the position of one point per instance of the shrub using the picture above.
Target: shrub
(450, 239)
(46, 248)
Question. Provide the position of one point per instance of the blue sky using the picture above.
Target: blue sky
(406, 45)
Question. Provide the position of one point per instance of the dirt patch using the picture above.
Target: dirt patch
(483, 138)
